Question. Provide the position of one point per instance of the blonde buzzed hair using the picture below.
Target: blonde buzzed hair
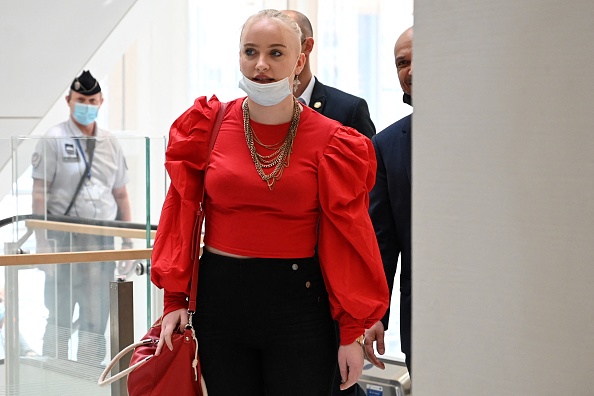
(274, 14)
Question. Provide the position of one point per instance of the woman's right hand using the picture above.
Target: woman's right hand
(173, 321)
(350, 363)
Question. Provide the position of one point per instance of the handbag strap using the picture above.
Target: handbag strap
(102, 381)
(200, 220)
(194, 287)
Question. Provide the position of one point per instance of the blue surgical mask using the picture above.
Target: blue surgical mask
(85, 114)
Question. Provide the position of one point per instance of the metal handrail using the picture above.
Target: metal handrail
(75, 220)
(78, 225)
(74, 257)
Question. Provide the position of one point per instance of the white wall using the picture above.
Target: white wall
(503, 215)
(45, 44)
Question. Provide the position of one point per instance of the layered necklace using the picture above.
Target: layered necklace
(281, 151)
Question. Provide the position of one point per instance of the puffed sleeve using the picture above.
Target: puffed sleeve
(174, 247)
(348, 250)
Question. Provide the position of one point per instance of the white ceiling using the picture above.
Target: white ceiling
(43, 46)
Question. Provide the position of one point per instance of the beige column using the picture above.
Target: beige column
(503, 198)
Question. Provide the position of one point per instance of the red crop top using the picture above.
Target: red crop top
(245, 217)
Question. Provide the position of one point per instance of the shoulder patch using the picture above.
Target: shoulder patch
(35, 159)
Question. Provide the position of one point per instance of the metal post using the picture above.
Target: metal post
(11, 321)
(12, 348)
(121, 311)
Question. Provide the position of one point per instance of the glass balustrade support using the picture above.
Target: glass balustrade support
(11, 333)
(149, 288)
(121, 311)
(15, 247)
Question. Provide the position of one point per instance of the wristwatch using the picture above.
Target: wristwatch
(361, 339)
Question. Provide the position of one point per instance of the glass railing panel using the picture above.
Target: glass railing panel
(50, 344)
(55, 339)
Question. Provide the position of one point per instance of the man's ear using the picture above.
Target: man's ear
(308, 45)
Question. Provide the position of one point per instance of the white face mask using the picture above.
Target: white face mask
(266, 94)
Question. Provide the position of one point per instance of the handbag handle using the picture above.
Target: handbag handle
(102, 381)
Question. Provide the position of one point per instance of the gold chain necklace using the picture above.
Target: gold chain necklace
(279, 159)
(271, 147)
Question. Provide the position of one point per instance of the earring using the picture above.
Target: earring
(296, 82)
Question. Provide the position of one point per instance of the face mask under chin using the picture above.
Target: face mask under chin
(266, 94)
(269, 94)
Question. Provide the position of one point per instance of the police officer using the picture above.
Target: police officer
(79, 170)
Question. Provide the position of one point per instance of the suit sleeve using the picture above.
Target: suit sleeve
(361, 119)
(380, 210)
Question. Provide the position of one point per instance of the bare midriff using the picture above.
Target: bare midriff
(222, 253)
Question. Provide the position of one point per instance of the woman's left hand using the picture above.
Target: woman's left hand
(350, 362)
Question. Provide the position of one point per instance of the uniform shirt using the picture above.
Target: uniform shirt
(60, 159)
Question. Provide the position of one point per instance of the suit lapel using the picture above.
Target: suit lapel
(318, 97)
(406, 145)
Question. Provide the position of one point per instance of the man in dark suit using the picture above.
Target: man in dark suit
(345, 108)
(390, 207)
(333, 103)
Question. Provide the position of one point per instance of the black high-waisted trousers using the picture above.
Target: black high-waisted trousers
(264, 327)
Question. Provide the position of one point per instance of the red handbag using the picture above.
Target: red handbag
(176, 371)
